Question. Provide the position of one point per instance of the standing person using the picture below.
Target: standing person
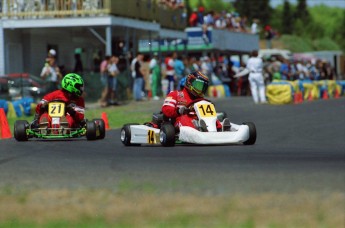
(179, 69)
(51, 72)
(113, 71)
(170, 70)
(138, 78)
(256, 79)
(156, 75)
(104, 80)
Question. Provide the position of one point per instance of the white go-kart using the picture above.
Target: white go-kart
(161, 130)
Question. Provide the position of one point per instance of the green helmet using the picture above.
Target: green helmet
(73, 83)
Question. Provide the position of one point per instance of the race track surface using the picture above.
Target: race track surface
(298, 148)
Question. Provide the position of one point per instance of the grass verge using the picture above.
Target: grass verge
(104, 208)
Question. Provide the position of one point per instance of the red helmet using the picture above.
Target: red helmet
(197, 84)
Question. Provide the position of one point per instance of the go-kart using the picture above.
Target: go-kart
(161, 130)
(58, 129)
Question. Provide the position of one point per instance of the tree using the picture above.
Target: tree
(302, 11)
(287, 19)
(254, 9)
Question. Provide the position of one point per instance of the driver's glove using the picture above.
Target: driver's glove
(182, 110)
(70, 109)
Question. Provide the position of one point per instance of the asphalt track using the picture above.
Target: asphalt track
(299, 148)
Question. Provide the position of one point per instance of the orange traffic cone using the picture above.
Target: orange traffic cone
(297, 98)
(5, 132)
(336, 93)
(105, 119)
(325, 95)
(310, 97)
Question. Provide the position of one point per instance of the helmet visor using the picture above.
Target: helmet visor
(199, 86)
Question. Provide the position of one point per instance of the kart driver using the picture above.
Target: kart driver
(72, 88)
(175, 104)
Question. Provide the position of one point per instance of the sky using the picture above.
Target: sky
(331, 3)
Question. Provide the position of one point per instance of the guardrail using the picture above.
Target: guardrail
(147, 10)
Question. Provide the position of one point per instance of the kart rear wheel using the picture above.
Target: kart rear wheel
(167, 135)
(101, 128)
(91, 130)
(252, 133)
(20, 127)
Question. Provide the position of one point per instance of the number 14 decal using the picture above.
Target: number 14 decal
(207, 110)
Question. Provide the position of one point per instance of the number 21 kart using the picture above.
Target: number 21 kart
(161, 130)
(58, 129)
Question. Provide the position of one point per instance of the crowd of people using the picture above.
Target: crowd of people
(153, 77)
(298, 69)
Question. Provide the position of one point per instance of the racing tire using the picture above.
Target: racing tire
(91, 130)
(101, 128)
(19, 130)
(126, 135)
(167, 135)
(252, 133)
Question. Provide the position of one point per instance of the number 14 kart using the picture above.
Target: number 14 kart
(59, 129)
(161, 130)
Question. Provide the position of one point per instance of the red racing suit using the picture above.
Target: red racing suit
(176, 99)
(62, 95)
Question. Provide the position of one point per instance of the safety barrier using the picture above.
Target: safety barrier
(18, 108)
(286, 92)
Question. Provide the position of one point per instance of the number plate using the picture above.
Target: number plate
(151, 139)
(56, 109)
(207, 110)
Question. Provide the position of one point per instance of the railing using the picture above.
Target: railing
(146, 10)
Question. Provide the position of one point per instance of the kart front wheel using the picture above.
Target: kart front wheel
(252, 133)
(20, 127)
(91, 130)
(126, 135)
(167, 135)
(100, 127)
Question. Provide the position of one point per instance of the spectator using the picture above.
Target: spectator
(104, 80)
(78, 68)
(155, 71)
(113, 71)
(179, 68)
(268, 36)
(193, 18)
(254, 26)
(138, 83)
(220, 21)
(170, 70)
(51, 72)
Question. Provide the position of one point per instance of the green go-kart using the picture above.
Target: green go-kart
(93, 130)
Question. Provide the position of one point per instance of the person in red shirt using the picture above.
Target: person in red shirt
(72, 87)
(175, 104)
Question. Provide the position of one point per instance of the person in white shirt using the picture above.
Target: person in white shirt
(256, 79)
(51, 73)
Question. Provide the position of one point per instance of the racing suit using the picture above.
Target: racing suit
(173, 102)
(75, 107)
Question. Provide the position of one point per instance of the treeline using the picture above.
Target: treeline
(300, 28)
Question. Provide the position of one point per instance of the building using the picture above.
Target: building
(29, 28)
